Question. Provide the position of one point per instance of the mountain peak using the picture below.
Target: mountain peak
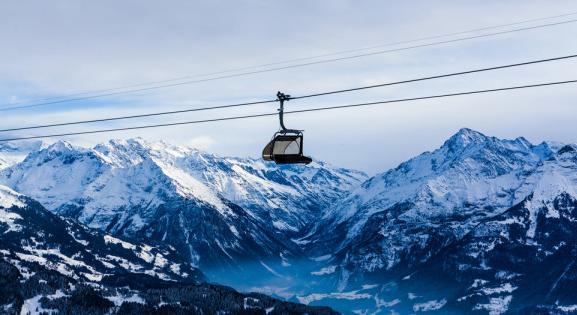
(465, 137)
(60, 145)
(569, 148)
(130, 142)
(138, 141)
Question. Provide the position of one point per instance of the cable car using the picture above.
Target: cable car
(286, 146)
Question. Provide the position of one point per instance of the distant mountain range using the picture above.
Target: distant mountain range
(480, 225)
(219, 211)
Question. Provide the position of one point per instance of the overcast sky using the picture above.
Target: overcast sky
(55, 48)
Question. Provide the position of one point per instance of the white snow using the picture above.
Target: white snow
(234, 230)
(125, 263)
(105, 262)
(281, 225)
(322, 258)
(382, 303)
(175, 268)
(369, 286)
(118, 299)
(58, 294)
(32, 306)
(283, 292)
(353, 295)
(8, 218)
(55, 260)
(504, 288)
(271, 270)
(567, 308)
(156, 274)
(9, 199)
(24, 271)
(325, 271)
(496, 305)
(160, 261)
(284, 261)
(477, 283)
(412, 296)
(145, 254)
(188, 186)
(32, 258)
(110, 239)
(439, 180)
(93, 277)
(7, 307)
(79, 241)
(247, 301)
(432, 305)
(300, 241)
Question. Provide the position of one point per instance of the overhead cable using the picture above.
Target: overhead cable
(293, 98)
(292, 112)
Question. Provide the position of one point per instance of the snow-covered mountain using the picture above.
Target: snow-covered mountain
(520, 261)
(52, 265)
(449, 190)
(467, 227)
(30, 234)
(219, 211)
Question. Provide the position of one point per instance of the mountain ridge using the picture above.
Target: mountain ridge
(143, 190)
(408, 218)
(321, 234)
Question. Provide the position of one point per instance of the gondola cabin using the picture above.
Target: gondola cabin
(286, 148)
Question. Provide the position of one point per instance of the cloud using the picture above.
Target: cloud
(201, 142)
(65, 46)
